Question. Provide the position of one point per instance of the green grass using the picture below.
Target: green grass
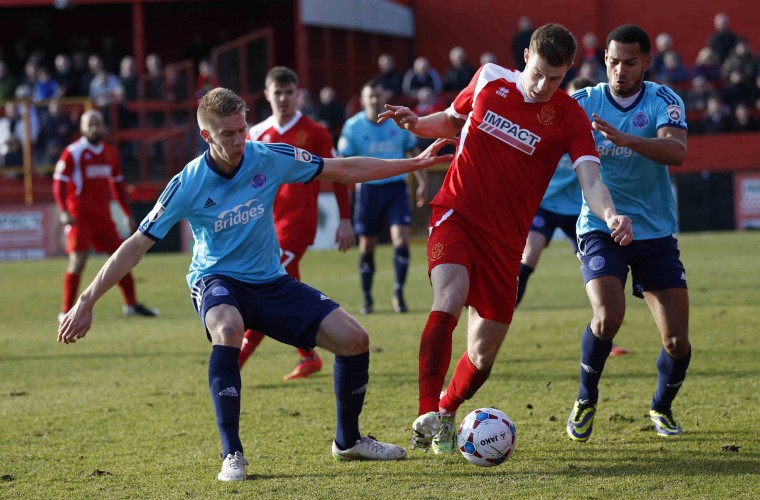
(125, 413)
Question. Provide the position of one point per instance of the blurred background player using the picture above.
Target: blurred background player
(87, 176)
(295, 207)
(559, 208)
(513, 129)
(381, 202)
(639, 129)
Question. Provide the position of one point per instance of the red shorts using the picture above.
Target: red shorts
(291, 253)
(100, 235)
(493, 268)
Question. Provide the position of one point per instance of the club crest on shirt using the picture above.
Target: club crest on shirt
(546, 115)
(303, 155)
(674, 112)
(640, 120)
(301, 137)
(436, 251)
(258, 180)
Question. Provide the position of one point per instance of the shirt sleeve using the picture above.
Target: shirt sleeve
(462, 104)
(670, 109)
(581, 146)
(345, 143)
(171, 206)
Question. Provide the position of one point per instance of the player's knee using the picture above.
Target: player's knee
(677, 346)
(606, 323)
(227, 334)
(357, 342)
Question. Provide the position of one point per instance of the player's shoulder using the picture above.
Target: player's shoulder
(355, 121)
(661, 94)
(490, 72)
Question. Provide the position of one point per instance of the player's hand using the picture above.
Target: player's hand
(430, 155)
(66, 219)
(622, 229)
(401, 115)
(75, 324)
(615, 136)
(344, 236)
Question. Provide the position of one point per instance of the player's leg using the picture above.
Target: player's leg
(77, 248)
(367, 246)
(224, 324)
(534, 246)
(341, 334)
(368, 211)
(670, 309)
(400, 240)
(399, 217)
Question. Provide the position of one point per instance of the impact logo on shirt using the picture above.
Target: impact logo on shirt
(674, 112)
(303, 155)
(239, 215)
(511, 133)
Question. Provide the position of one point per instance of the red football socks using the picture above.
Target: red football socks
(435, 357)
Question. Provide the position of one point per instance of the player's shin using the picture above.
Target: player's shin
(594, 354)
(350, 378)
(671, 374)
(465, 382)
(224, 384)
(435, 356)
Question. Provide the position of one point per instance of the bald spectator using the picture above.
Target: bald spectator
(663, 44)
(389, 77)
(64, 75)
(487, 58)
(723, 39)
(421, 75)
(459, 73)
(706, 64)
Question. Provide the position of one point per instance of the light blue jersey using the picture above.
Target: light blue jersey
(563, 195)
(231, 216)
(639, 186)
(362, 137)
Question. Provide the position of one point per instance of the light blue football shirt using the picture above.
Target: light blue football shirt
(563, 195)
(639, 186)
(362, 137)
(231, 216)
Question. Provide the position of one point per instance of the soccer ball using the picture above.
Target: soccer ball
(486, 437)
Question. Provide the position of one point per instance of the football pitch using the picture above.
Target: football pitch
(125, 412)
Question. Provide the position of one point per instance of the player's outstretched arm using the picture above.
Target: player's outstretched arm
(600, 202)
(363, 169)
(439, 124)
(78, 320)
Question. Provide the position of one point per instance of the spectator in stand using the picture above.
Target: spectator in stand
(10, 145)
(664, 45)
(697, 95)
(8, 83)
(105, 87)
(459, 73)
(421, 75)
(723, 39)
(521, 40)
(743, 120)
(591, 49)
(706, 64)
(45, 87)
(82, 75)
(487, 57)
(331, 113)
(154, 84)
(305, 104)
(56, 132)
(739, 58)
(672, 72)
(739, 88)
(128, 78)
(26, 84)
(389, 77)
(64, 75)
(715, 120)
(428, 102)
(590, 70)
(206, 78)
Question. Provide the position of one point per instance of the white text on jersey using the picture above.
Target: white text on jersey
(241, 214)
(511, 133)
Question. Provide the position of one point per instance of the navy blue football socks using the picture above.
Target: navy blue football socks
(594, 353)
(400, 266)
(367, 272)
(350, 378)
(522, 282)
(224, 383)
(671, 373)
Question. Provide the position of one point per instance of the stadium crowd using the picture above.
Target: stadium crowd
(720, 89)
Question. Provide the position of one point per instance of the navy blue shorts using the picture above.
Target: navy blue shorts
(546, 221)
(379, 205)
(286, 309)
(655, 264)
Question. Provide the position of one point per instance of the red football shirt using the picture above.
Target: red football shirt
(92, 175)
(295, 208)
(508, 151)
